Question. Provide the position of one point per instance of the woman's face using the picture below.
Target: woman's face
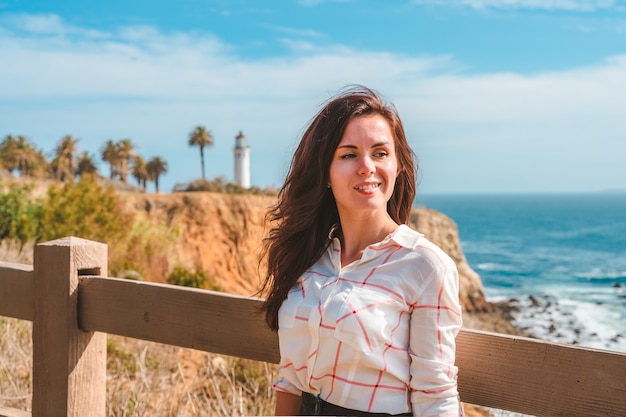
(364, 167)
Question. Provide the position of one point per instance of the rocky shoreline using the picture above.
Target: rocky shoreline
(541, 317)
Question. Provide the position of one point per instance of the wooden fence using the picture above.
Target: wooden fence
(73, 306)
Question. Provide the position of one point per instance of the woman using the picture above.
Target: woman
(366, 308)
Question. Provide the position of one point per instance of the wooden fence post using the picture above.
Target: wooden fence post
(69, 365)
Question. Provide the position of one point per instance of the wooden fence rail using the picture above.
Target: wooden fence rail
(73, 305)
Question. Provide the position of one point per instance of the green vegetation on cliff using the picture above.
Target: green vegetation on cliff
(80, 208)
(91, 211)
(18, 214)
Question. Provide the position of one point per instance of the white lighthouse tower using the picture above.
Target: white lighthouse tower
(242, 161)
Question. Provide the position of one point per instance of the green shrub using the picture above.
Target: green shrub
(184, 277)
(83, 209)
(198, 279)
(221, 185)
(17, 213)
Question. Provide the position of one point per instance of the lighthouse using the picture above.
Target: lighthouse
(242, 161)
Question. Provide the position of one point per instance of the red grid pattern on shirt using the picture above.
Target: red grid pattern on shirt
(375, 387)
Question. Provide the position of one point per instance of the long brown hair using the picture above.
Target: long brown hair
(306, 210)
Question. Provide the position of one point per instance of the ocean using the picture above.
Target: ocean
(561, 258)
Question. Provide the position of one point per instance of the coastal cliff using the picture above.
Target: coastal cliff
(222, 235)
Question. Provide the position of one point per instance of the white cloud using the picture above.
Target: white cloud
(143, 62)
(43, 24)
(571, 5)
(472, 132)
(46, 24)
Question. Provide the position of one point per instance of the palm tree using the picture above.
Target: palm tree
(126, 149)
(201, 137)
(155, 167)
(8, 153)
(110, 153)
(63, 163)
(139, 171)
(18, 154)
(36, 163)
(86, 165)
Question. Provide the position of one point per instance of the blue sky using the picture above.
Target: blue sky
(496, 95)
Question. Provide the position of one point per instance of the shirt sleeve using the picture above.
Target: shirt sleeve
(281, 384)
(435, 322)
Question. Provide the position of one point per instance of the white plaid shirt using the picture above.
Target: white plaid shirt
(377, 335)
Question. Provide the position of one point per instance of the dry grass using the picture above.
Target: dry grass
(149, 379)
(16, 360)
(153, 380)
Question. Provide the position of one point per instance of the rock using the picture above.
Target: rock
(442, 231)
(534, 302)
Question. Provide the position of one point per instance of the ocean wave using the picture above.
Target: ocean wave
(492, 266)
(599, 274)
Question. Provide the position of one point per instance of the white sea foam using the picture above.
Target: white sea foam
(571, 322)
(492, 266)
(600, 273)
(603, 324)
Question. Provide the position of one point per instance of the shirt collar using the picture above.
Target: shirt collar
(403, 235)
